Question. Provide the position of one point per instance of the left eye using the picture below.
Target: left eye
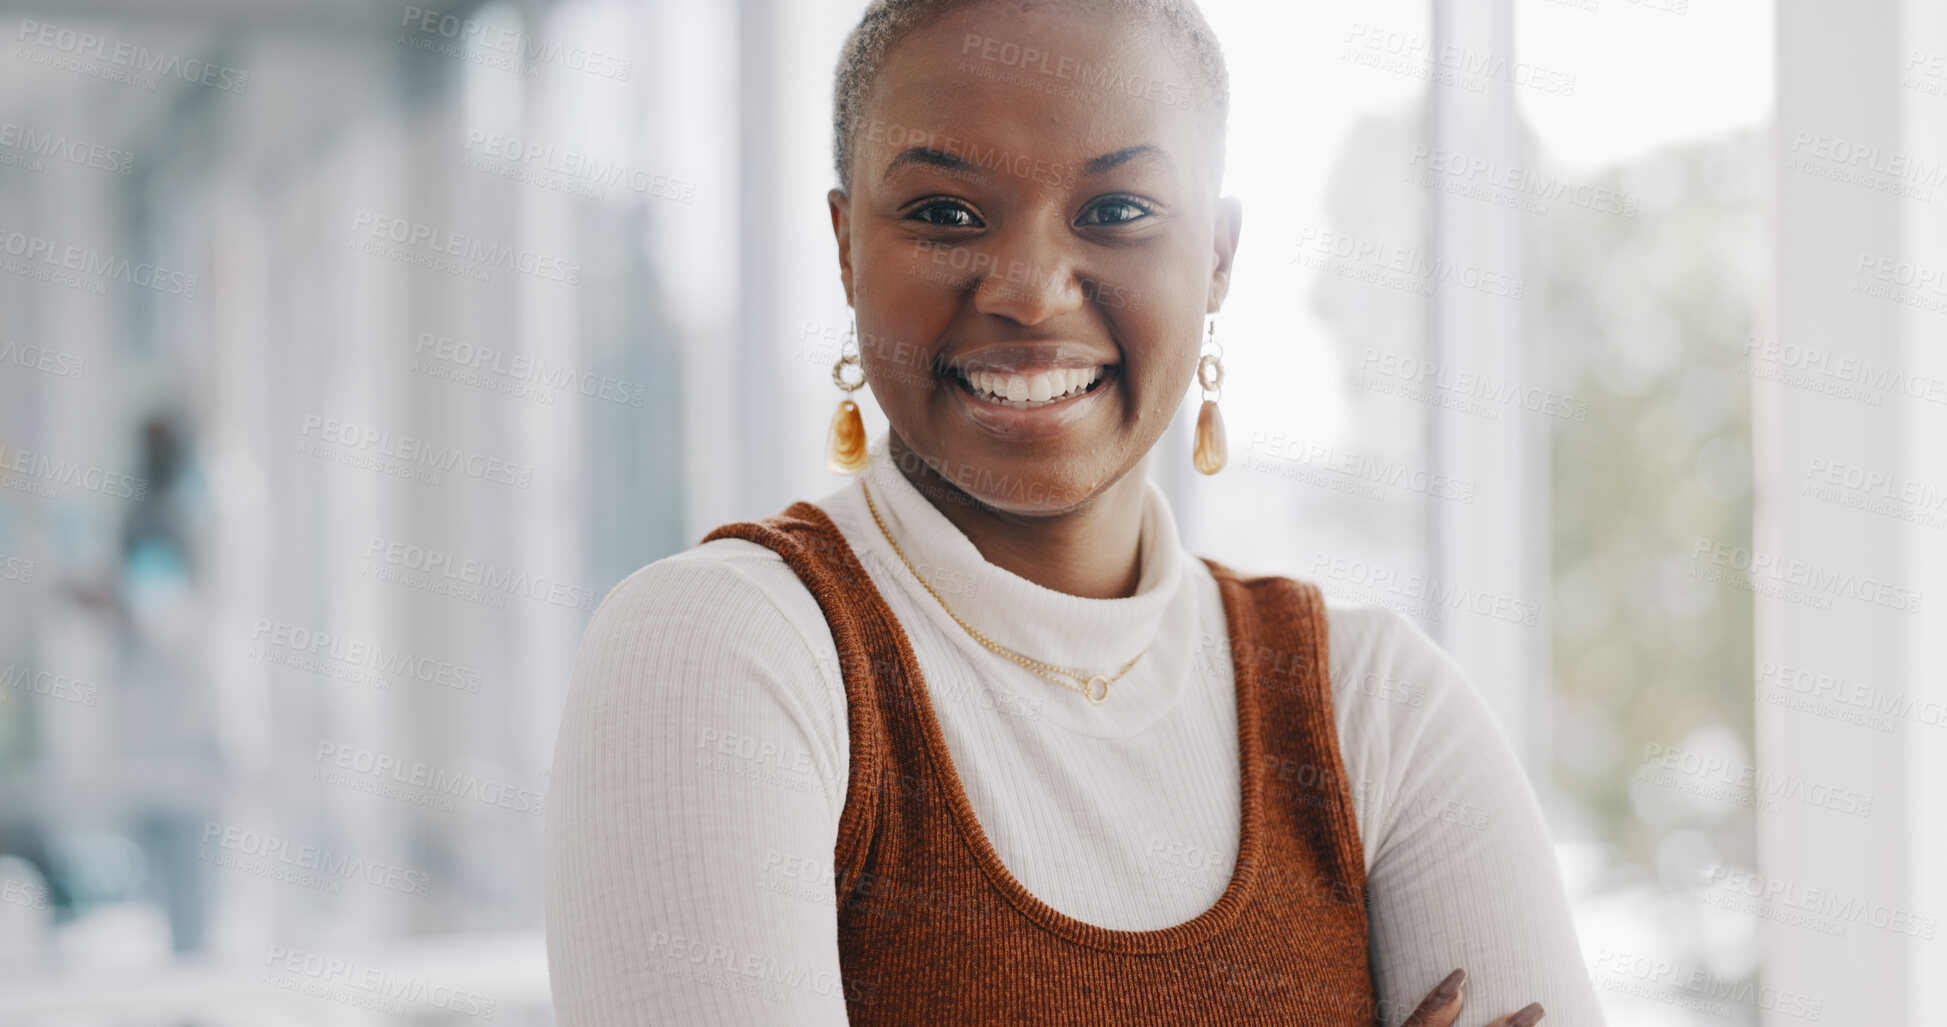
(945, 214)
(1118, 211)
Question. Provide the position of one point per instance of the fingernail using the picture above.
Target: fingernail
(1450, 987)
(1529, 1015)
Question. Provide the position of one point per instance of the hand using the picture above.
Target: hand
(1441, 1007)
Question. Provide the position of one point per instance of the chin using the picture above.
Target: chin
(1028, 479)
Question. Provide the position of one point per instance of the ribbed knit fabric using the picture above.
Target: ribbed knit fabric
(933, 929)
(704, 757)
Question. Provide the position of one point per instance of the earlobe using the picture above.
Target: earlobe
(841, 208)
(1229, 217)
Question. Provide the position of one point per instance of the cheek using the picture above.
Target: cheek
(900, 344)
(1161, 340)
(1161, 289)
(908, 299)
(900, 369)
(910, 289)
(1175, 317)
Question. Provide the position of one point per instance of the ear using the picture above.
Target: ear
(841, 206)
(1229, 218)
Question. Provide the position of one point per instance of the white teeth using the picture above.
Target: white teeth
(1042, 387)
(986, 382)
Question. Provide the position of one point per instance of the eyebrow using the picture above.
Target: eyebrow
(1123, 156)
(953, 162)
(927, 155)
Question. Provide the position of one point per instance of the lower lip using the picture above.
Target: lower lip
(1032, 424)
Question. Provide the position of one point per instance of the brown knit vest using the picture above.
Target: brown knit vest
(932, 929)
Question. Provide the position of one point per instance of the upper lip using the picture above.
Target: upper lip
(1028, 357)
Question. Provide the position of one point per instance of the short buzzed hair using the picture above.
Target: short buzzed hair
(887, 22)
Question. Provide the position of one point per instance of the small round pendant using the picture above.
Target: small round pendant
(1092, 697)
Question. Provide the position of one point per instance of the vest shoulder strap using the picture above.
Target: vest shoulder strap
(816, 551)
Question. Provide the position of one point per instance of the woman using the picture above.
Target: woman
(973, 740)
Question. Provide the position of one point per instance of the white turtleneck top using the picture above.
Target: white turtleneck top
(702, 766)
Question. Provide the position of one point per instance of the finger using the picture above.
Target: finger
(1526, 1016)
(1441, 1005)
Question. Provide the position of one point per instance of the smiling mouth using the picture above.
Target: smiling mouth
(1029, 391)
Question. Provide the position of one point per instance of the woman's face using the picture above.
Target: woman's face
(1031, 242)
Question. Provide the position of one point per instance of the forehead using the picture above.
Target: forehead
(1052, 83)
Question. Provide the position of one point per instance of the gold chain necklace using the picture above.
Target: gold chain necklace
(1085, 684)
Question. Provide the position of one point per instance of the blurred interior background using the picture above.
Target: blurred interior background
(351, 351)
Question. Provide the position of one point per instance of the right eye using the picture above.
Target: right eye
(945, 213)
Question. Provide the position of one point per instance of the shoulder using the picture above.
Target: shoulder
(1413, 729)
(718, 642)
(1381, 654)
(724, 629)
(702, 735)
(1376, 653)
(1404, 711)
(1389, 680)
(1394, 689)
(721, 589)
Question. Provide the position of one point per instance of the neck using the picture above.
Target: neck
(1091, 550)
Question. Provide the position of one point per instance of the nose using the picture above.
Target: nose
(1033, 279)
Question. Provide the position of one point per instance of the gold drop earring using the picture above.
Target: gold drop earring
(1210, 453)
(845, 443)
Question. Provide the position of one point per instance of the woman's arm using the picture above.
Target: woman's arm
(1461, 869)
(698, 779)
